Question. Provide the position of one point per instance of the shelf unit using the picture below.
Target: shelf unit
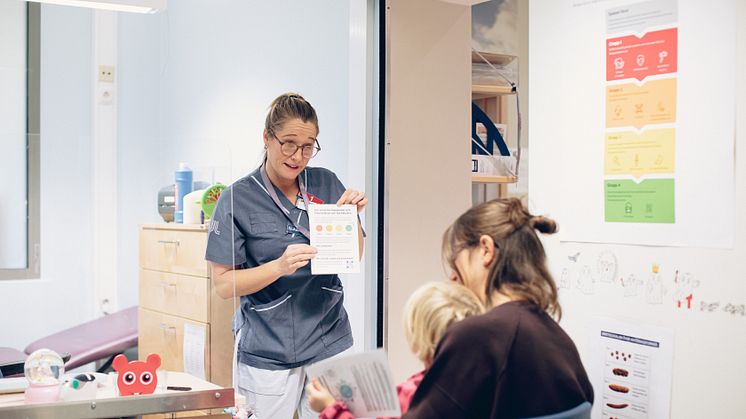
(491, 98)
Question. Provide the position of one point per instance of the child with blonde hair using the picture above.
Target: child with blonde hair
(428, 313)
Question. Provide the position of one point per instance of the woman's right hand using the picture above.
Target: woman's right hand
(295, 257)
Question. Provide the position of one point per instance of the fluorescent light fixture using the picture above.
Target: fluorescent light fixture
(136, 6)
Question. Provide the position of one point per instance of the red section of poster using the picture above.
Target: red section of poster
(630, 57)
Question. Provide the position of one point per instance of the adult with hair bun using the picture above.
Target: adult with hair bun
(514, 361)
(258, 247)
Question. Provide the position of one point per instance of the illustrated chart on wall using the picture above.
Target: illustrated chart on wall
(639, 175)
(632, 368)
(649, 126)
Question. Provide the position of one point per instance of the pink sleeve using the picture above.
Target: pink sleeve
(336, 411)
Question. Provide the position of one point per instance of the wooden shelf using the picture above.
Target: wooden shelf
(493, 179)
(490, 90)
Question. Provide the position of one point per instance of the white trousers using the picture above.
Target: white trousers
(273, 394)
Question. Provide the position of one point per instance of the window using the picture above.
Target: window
(19, 140)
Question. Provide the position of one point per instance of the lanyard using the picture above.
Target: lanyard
(271, 191)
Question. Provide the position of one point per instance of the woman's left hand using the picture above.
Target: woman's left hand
(318, 397)
(354, 197)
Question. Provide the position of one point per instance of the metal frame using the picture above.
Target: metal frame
(124, 407)
(33, 222)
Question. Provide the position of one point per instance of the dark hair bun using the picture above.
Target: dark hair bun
(543, 224)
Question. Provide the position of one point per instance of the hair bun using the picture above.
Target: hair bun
(543, 224)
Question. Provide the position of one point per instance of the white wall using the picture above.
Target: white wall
(708, 365)
(63, 296)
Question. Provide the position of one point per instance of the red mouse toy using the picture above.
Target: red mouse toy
(136, 377)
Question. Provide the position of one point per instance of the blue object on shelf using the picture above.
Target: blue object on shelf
(493, 135)
(183, 177)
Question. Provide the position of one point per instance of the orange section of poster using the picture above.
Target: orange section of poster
(630, 105)
(632, 57)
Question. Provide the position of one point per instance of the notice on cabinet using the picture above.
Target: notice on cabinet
(194, 350)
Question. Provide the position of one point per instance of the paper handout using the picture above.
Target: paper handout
(362, 381)
(334, 233)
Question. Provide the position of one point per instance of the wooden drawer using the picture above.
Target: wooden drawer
(175, 250)
(164, 334)
(180, 295)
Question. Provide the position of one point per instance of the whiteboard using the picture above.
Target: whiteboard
(644, 284)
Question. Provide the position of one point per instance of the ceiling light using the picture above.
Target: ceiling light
(136, 6)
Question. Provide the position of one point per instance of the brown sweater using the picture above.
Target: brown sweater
(512, 362)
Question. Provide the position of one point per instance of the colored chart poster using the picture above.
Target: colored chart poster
(632, 107)
(640, 94)
(632, 370)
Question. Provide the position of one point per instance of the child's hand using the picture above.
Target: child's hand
(318, 397)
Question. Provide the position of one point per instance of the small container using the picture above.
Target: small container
(183, 177)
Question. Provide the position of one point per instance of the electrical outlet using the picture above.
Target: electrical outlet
(106, 73)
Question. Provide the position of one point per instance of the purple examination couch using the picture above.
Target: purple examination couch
(97, 339)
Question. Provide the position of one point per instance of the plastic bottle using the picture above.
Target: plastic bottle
(183, 177)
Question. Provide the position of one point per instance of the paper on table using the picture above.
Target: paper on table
(362, 381)
(334, 233)
(194, 350)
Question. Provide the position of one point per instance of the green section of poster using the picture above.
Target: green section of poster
(650, 201)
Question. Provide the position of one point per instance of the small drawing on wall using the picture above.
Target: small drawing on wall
(606, 266)
(630, 284)
(654, 289)
(564, 280)
(735, 309)
(574, 258)
(708, 307)
(684, 286)
(586, 281)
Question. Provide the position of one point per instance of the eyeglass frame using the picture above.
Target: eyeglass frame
(316, 146)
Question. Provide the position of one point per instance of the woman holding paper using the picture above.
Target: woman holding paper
(258, 247)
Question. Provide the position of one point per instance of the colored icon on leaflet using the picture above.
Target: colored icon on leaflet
(329, 227)
(349, 227)
(319, 227)
(640, 60)
(339, 227)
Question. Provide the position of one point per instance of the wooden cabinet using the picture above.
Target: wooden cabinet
(176, 290)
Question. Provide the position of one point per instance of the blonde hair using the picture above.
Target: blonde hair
(431, 309)
(519, 267)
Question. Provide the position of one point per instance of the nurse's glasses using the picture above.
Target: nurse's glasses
(289, 148)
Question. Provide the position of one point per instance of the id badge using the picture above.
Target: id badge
(300, 204)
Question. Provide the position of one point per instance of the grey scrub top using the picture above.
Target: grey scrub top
(299, 318)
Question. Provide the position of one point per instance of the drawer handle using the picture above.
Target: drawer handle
(165, 284)
(174, 242)
(167, 328)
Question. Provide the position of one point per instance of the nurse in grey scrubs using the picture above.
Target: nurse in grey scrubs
(258, 247)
